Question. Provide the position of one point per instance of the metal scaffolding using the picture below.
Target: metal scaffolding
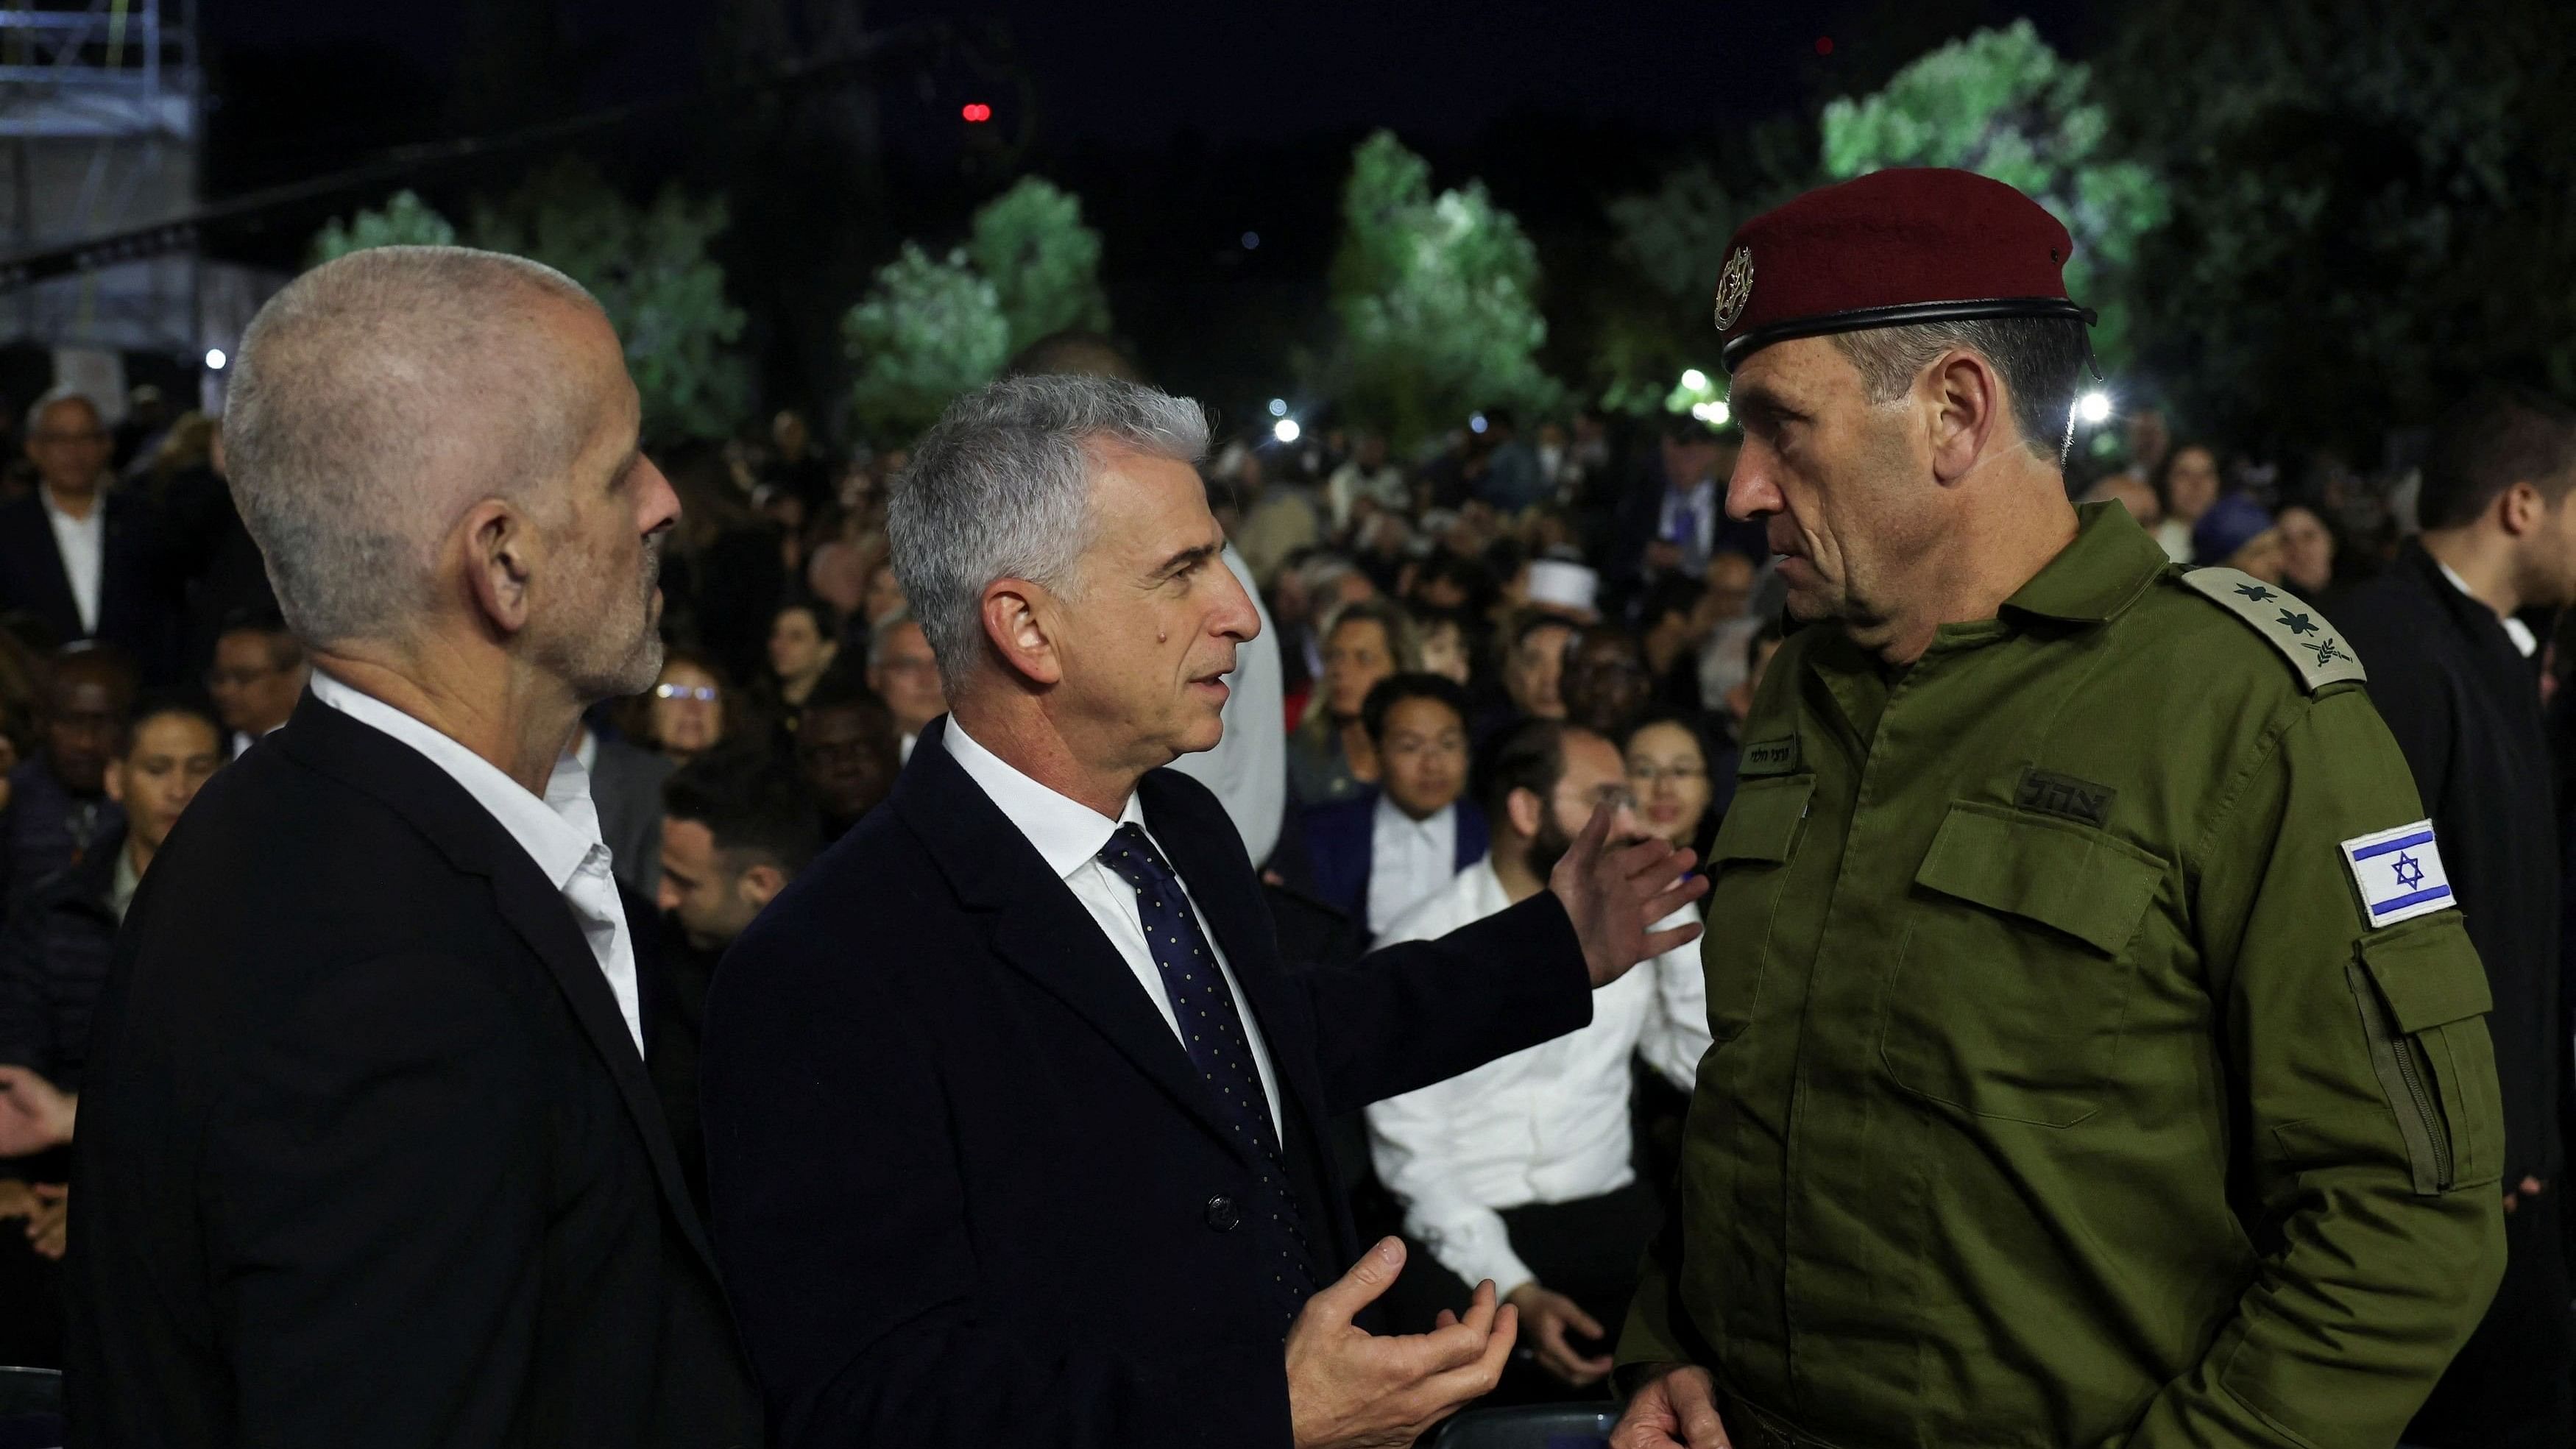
(100, 121)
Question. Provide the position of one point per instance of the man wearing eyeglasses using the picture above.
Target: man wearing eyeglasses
(81, 556)
(1519, 1171)
(258, 674)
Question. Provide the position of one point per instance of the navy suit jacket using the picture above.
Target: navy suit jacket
(1342, 840)
(138, 602)
(969, 1189)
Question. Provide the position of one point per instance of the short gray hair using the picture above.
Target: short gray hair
(1000, 488)
(375, 398)
(64, 394)
(2040, 359)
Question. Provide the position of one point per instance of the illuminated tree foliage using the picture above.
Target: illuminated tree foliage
(2002, 104)
(928, 329)
(1043, 263)
(404, 220)
(1437, 297)
(649, 268)
(2371, 210)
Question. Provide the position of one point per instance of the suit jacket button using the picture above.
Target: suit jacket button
(1223, 1215)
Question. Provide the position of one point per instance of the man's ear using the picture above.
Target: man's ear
(1523, 806)
(1021, 621)
(2520, 508)
(1967, 398)
(761, 884)
(499, 556)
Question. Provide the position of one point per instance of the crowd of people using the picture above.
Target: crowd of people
(1464, 653)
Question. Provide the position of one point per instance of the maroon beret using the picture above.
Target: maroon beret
(1891, 249)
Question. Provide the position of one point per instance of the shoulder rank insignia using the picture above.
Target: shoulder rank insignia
(2303, 636)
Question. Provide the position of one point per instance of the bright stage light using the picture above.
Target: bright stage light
(2094, 407)
(1285, 430)
(1694, 379)
(215, 359)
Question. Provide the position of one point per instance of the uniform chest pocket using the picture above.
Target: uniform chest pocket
(2015, 975)
(1748, 863)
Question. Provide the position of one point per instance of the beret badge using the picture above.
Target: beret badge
(1734, 287)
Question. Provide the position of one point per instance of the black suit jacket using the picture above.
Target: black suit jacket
(2465, 707)
(138, 598)
(367, 1154)
(968, 1188)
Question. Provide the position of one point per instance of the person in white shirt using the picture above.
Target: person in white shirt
(1379, 856)
(905, 674)
(1519, 1171)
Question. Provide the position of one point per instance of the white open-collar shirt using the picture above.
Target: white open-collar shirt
(560, 833)
(1069, 835)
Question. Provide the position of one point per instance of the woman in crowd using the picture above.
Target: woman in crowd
(801, 648)
(2238, 533)
(1329, 757)
(2307, 553)
(691, 708)
(1669, 773)
(2187, 486)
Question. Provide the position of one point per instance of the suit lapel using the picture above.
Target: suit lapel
(383, 767)
(1208, 853)
(1039, 927)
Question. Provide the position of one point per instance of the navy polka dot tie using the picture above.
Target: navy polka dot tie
(1212, 1032)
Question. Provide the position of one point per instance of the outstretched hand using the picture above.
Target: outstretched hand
(34, 1113)
(1348, 1389)
(1615, 893)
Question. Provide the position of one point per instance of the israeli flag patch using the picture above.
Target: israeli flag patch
(2400, 873)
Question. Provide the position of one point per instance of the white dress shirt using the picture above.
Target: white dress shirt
(1248, 769)
(1069, 835)
(1408, 860)
(560, 832)
(1546, 1124)
(903, 750)
(82, 542)
(2514, 629)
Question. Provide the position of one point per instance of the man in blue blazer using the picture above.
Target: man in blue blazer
(1380, 855)
(1013, 1111)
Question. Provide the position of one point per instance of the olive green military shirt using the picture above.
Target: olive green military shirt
(2064, 1093)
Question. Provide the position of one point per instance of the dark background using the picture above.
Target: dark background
(1183, 126)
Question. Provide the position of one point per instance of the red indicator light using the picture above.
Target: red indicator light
(976, 113)
(1824, 45)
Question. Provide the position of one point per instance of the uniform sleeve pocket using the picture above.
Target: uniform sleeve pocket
(2071, 879)
(2423, 998)
(1762, 821)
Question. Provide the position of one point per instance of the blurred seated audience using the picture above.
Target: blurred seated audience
(2133, 493)
(1759, 647)
(54, 959)
(737, 825)
(58, 801)
(1534, 667)
(848, 752)
(1329, 756)
(1605, 682)
(691, 709)
(83, 553)
(1382, 852)
(2187, 486)
(1673, 773)
(1447, 643)
(1367, 474)
(905, 674)
(1520, 1171)
(802, 643)
(1563, 587)
(2238, 533)
(257, 675)
(2308, 552)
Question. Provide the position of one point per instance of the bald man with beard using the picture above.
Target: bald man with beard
(368, 1153)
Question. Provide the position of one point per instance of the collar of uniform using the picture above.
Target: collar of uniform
(2109, 565)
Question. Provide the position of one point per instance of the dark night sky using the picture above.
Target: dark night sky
(1182, 123)
(1137, 72)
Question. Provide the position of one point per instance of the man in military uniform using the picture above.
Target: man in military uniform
(2099, 1060)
